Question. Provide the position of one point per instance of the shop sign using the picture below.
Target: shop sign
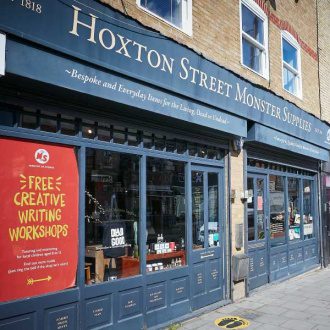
(2, 54)
(96, 33)
(38, 218)
(277, 139)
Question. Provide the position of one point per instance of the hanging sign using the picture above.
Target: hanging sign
(38, 218)
(2, 54)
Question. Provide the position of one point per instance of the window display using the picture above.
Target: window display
(307, 207)
(277, 207)
(165, 214)
(294, 209)
(112, 216)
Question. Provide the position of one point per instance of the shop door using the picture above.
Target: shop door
(258, 246)
(207, 236)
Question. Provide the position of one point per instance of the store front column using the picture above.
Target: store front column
(237, 214)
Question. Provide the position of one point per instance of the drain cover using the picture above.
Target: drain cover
(232, 322)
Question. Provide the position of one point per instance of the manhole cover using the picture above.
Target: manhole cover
(232, 322)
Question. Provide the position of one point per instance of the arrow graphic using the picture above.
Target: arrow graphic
(31, 281)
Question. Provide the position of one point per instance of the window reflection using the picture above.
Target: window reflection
(293, 209)
(277, 207)
(197, 187)
(250, 210)
(165, 214)
(213, 197)
(308, 214)
(112, 216)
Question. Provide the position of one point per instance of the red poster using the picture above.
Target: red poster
(38, 218)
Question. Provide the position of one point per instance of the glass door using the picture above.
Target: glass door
(207, 257)
(257, 211)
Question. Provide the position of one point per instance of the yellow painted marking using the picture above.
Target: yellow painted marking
(31, 281)
(232, 322)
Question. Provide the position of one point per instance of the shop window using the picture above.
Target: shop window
(166, 225)
(112, 216)
(213, 209)
(7, 117)
(291, 64)
(68, 125)
(133, 137)
(175, 12)
(254, 37)
(119, 134)
(308, 210)
(88, 129)
(159, 142)
(103, 132)
(277, 210)
(48, 122)
(29, 119)
(294, 209)
(250, 205)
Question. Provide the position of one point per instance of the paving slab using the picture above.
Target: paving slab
(300, 303)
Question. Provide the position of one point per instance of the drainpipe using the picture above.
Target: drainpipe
(229, 250)
(319, 181)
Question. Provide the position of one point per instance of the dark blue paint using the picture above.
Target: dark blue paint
(280, 140)
(51, 28)
(63, 317)
(33, 63)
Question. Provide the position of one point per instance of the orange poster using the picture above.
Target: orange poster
(38, 218)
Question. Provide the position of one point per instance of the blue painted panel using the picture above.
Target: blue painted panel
(252, 271)
(156, 296)
(283, 260)
(98, 311)
(26, 321)
(274, 264)
(33, 63)
(62, 317)
(130, 303)
(214, 277)
(118, 43)
(198, 279)
(280, 140)
(300, 257)
(179, 289)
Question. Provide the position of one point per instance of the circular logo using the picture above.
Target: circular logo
(328, 135)
(41, 156)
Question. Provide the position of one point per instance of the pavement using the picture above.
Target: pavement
(301, 303)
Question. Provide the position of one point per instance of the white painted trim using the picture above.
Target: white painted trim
(186, 16)
(2, 54)
(294, 43)
(254, 7)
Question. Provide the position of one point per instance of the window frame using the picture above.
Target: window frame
(186, 16)
(297, 72)
(256, 10)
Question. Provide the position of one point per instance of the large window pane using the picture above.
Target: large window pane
(197, 185)
(170, 10)
(252, 25)
(213, 223)
(251, 234)
(112, 216)
(260, 208)
(290, 54)
(251, 56)
(308, 211)
(293, 209)
(277, 207)
(289, 81)
(166, 225)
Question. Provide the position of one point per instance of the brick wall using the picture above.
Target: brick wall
(324, 53)
(216, 35)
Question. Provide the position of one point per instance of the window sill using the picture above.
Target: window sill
(264, 76)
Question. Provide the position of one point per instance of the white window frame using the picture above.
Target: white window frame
(255, 9)
(186, 16)
(288, 37)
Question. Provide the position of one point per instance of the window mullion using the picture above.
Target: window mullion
(290, 68)
(253, 41)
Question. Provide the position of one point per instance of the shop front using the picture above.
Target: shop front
(282, 208)
(117, 171)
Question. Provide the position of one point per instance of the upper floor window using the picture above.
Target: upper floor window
(175, 12)
(254, 37)
(291, 64)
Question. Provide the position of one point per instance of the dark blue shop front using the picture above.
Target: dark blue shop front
(151, 124)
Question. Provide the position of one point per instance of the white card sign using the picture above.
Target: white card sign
(2, 54)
